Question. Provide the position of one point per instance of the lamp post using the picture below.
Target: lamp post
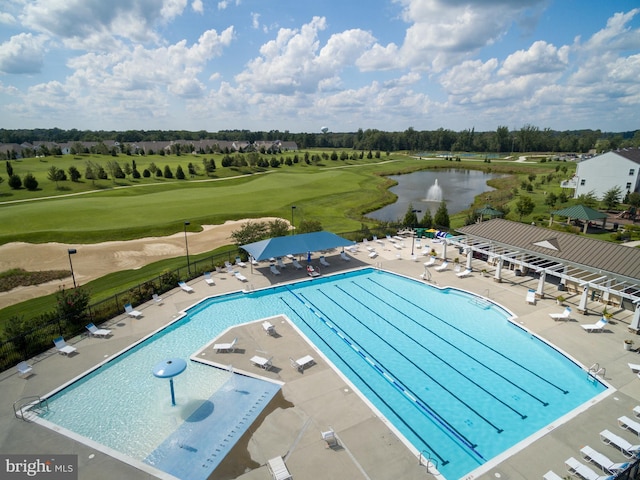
(72, 251)
(293, 227)
(413, 236)
(186, 244)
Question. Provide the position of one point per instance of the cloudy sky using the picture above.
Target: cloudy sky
(297, 65)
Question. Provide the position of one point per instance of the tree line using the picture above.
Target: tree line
(528, 138)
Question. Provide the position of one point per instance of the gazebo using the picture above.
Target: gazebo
(580, 212)
(488, 211)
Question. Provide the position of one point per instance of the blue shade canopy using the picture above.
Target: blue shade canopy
(295, 245)
(169, 368)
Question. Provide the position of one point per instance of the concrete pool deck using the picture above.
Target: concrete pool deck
(319, 397)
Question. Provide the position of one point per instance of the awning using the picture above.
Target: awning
(295, 245)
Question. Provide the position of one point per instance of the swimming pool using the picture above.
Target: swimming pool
(459, 381)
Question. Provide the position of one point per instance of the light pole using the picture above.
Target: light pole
(293, 227)
(413, 236)
(72, 251)
(186, 244)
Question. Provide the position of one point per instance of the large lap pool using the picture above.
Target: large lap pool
(449, 370)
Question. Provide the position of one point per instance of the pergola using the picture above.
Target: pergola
(580, 212)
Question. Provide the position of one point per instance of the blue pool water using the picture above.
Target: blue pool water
(453, 375)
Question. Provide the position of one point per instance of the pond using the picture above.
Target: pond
(427, 188)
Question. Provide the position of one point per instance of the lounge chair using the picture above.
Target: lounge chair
(97, 332)
(344, 256)
(373, 254)
(208, 278)
(296, 264)
(330, 437)
(627, 448)
(375, 239)
(278, 469)
(626, 423)
(583, 471)
(185, 287)
(274, 270)
(24, 369)
(431, 262)
(240, 263)
(595, 327)
(268, 328)
(226, 347)
(636, 411)
(465, 273)
(261, 362)
(62, 346)
(157, 299)
(240, 276)
(635, 367)
(280, 263)
(551, 475)
(442, 267)
(601, 460)
(323, 261)
(254, 261)
(312, 272)
(565, 315)
(531, 296)
(131, 312)
(301, 363)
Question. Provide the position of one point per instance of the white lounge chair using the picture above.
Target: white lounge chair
(97, 332)
(278, 469)
(627, 448)
(226, 347)
(551, 475)
(601, 460)
(531, 296)
(442, 267)
(635, 367)
(565, 315)
(185, 287)
(595, 327)
(62, 346)
(131, 312)
(268, 328)
(636, 411)
(344, 256)
(626, 423)
(302, 363)
(330, 437)
(208, 278)
(240, 276)
(24, 369)
(240, 263)
(323, 261)
(465, 273)
(280, 263)
(296, 264)
(373, 254)
(312, 272)
(261, 362)
(274, 270)
(254, 261)
(157, 299)
(582, 471)
(431, 262)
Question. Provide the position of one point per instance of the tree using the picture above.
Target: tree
(180, 173)
(611, 198)
(74, 173)
(524, 206)
(250, 232)
(587, 199)
(441, 218)
(427, 219)
(167, 172)
(30, 182)
(551, 199)
(14, 182)
(633, 199)
(308, 226)
(72, 305)
(56, 175)
(9, 168)
(278, 228)
(410, 217)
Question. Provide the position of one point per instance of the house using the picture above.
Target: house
(599, 174)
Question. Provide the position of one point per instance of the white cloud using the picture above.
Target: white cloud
(197, 6)
(541, 57)
(255, 20)
(7, 19)
(23, 53)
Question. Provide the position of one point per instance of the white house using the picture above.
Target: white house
(599, 174)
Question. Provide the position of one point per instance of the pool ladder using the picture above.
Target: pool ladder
(425, 459)
(595, 370)
(28, 408)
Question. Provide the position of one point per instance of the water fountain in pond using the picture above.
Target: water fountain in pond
(434, 194)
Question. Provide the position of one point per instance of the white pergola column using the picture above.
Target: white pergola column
(498, 276)
(540, 289)
(636, 318)
(444, 250)
(582, 306)
(469, 258)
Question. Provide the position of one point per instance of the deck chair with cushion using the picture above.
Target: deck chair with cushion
(601, 460)
(208, 278)
(157, 299)
(595, 327)
(583, 471)
(62, 346)
(312, 272)
(278, 469)
(442, 267)
(531, 296)
(431, 262)
(344, 256)
(131, 312)
(268, 328)
(296, 264)
(274, 270)
(323, 261)
(565, 315)
(240, 263)
(24, 369)
(97, 332)
(226, 347)
(261, 362)
(373, 254)
(280, 263)
(627, 448)
(330, 438)
(302, 363)
(240, 277)
(551, 475)
(465, 273)
(635, 367)
(626, 423)
(185, 287)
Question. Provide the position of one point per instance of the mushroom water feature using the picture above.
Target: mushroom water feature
(168, 369)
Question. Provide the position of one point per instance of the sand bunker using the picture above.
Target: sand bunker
(96, 260)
